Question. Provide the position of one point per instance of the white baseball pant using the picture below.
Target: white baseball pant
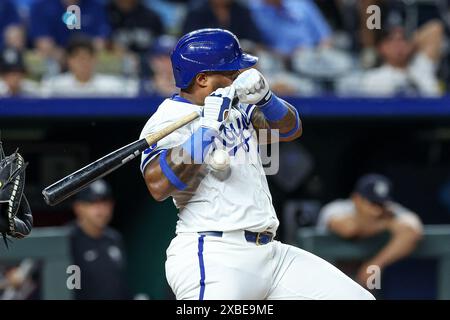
(231, 268)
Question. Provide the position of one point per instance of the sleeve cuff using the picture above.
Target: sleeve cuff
(148, 158)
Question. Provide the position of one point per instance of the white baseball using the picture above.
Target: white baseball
(220, 160)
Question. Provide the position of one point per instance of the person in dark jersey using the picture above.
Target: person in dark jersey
(97, 248)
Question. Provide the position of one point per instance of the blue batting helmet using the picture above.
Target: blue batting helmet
(207, 50)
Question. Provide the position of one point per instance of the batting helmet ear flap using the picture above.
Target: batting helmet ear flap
(207, 50)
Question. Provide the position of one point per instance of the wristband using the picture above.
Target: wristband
(274, 109)
(168, 172)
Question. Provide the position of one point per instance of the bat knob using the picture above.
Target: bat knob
(47, 197)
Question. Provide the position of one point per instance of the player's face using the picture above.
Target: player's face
(367, 209)
(221, 79)
(96, 214)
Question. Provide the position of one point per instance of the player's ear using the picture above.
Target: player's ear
(202, 80)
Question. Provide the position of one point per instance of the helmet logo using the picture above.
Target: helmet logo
(381, 189)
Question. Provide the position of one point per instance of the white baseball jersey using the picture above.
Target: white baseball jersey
(229, 266)
(237, 200)
(346, 207)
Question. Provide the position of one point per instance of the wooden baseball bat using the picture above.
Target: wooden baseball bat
(79, 179)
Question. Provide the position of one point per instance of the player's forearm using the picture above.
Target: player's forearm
(182, 166)
(177, 169)
(283, 118)
(167, 173)
(289, 126)
(401, 244)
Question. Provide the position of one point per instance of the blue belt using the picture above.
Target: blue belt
(255, 237)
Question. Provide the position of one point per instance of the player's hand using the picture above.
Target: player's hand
(217, 106)
(252, 87)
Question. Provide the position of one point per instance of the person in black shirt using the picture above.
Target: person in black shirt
(134, 26)
(96, 248)
(225, 14)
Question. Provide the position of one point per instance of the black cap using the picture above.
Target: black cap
(375, 188)
(11, 60)
(391, 20)
(96, 191)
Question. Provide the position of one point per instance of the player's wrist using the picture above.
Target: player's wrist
(273, 108)
(265, 99)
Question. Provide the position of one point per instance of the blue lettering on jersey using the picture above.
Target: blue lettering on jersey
(237, 136)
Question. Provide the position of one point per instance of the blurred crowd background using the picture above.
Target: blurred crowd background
(307, 47)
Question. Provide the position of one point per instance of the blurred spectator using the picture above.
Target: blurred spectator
(286, 83)
(282, 81)
(225, 14)
(411, 14)
(371, 211)
(331, 9)
(9, 21)
(342, 18)
(23, 7)
(408, 65)
(288, 25)
(20, 282)
(82, 80)
(49, 34)
(366, 36)
(322, 65)
(172, 13)
(12, 75)
(162, 82)
(134, 26)
(14, 36)
(96, 248)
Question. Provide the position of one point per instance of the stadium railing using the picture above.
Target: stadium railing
(435, 244)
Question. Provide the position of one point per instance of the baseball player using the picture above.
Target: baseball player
(369, 211)
(224, 246)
